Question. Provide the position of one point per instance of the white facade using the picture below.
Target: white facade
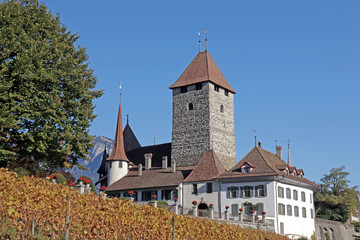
(202, 194)
(296, 216)
(117, 170)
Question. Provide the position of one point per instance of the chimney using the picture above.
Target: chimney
(278, 152)
(148, 157)
(140, 170)
(164, 162)
(173, 166)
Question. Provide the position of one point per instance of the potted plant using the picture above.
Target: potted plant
(194, 203)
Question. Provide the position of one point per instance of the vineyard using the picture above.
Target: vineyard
(28, 200)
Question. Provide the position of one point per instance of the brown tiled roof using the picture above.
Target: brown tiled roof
(207, 168)
(264, 163)
(202, 69)
(153, 178)
(118, 151)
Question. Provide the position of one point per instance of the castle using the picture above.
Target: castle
(199, 164)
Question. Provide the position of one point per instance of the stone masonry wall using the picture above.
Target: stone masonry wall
(205, 127)
(222, 126)
(190, 128)
(331, 230)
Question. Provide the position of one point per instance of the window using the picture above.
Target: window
(120, 164)
(310, 198)
(146, 196)
(261, 208)
(304, 212)
(288, 193)
(280, 192)
(289, 210)
(216, 88)
(166, 194)
(234, 209)
(295, 195)
(303, 197)
(247, 209)
(247, 169)
(209, 187)
(198, 86)
(260, 191)
(296, 211)
(226, 92)
(194, 190)
(221, 108)
(232, 192)
(247, 191)
(281, 208)
(312, 213)
(183, 89)
(191, 106)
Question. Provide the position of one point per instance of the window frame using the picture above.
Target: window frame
(295, 195)
(303, 196)
(288, 193)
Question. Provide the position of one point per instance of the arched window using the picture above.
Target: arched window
(191, 106)
(221, 108)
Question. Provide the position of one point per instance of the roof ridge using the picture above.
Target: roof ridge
(207, 64)
(270, 165)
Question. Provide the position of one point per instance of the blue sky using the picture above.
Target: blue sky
(294, 65)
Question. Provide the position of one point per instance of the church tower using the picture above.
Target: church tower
(203, 114)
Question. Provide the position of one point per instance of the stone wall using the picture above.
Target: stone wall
(203, 128)
(331, 230)
(190, 128)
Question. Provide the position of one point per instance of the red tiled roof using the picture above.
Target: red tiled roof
(118, 151)
(264, 163)
(202, 68)
(153, 178)
(207, 168)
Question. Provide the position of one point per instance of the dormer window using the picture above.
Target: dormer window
(246, 168)
(183, 89)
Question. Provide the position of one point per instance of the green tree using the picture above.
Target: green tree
(46, 90)
(336, 200)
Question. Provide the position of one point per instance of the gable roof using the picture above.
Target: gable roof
(202, 69)
(207, 168)
(118, 151)
(153, 178)
(130, 140)
(264, 163)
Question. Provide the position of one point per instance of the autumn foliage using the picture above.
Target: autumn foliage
(96, 217)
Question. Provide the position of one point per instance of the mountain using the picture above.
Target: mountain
(96, 154)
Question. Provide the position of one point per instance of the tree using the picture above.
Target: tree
(336, 200)
(46, 90)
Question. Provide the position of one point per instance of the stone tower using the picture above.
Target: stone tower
(203, 114)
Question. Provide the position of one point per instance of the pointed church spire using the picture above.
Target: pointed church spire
(289, 158)
(118, 151)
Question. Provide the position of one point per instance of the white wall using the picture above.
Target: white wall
(267, 201)
(296, 225)
(115, 172)
(208, 198)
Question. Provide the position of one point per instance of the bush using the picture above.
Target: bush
(60, 179)
(164, 203)
(21, 172)
(91, 184)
